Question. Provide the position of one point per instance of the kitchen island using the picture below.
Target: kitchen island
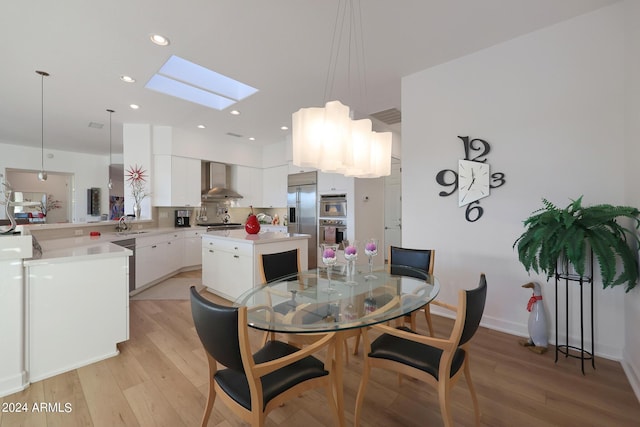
(76, 304)
(231, 258)
(13, 374)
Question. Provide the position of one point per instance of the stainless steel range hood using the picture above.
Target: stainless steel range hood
(214, 179)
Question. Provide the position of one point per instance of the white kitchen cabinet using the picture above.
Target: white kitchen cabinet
(293, 169)
(78, 318)
(230, 261)
(227, 267)
(274, 187)
(157, 257)
(192, 247)
(248, 182)
(13, 375)
(176, 181)
(331, 183)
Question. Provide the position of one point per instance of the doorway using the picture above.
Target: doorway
(55, 194)
(393, 207)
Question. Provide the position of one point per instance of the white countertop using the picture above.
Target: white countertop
(255, 239)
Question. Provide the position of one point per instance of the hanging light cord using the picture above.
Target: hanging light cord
(42, 74)
(356, 38)
(110, 113)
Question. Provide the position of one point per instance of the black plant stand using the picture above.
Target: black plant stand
(582, 281)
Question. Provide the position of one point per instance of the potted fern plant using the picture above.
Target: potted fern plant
(554, 234)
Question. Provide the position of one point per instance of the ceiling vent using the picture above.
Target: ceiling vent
(391, 116)
(234, 134)
(95, 125)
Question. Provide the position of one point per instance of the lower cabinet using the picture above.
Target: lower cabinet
(158, 256)
(192, 254)
(227, 267)
(78, 320)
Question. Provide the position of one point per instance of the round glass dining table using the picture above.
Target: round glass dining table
(311, 302)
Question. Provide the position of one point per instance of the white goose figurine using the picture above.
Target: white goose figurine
(538, 335)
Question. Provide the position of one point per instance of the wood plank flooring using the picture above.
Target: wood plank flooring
(160, 379)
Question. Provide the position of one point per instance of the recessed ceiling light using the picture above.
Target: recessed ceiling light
(251, 138)
(134, 106)
(127, 79)
(284, 127)
(159, 40)
(234, 112)
(201, 126)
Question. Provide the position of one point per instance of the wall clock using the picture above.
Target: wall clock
(473, 180)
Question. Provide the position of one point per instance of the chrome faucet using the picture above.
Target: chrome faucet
(122, 224)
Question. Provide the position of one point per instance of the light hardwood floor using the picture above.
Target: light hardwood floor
(160, 379)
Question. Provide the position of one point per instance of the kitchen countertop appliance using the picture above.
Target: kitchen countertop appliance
(302, 209)
(131, 245)
(182, 218)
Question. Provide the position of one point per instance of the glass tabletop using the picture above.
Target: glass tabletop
(308, 302)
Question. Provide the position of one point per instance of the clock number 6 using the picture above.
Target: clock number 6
(441, 178)
(473, 213)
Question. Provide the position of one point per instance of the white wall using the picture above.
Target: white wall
(631, 361)
(551, 103)
(89, 171)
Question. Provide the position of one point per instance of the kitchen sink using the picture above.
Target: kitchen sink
(129, 233)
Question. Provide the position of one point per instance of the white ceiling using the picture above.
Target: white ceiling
(281, 47)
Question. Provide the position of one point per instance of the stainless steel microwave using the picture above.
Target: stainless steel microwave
(333, 205)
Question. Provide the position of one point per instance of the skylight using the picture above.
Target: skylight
(195, 83)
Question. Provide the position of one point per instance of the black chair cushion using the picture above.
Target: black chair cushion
(235, 383)
(419, 356)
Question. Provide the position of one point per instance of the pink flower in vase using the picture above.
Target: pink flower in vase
(371, 248)
(350, 252)
(329, 253)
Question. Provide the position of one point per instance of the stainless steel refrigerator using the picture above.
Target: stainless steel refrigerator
(302, 209)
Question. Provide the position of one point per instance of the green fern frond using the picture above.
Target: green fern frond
(552, 233)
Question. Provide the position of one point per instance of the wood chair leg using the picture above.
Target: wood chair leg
(472, 390)
(412, 321)
(445, 407)
(210, 400)
(361, 390)
(427, 316)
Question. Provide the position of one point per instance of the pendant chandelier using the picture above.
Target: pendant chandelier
(110, 184)
(42, 175)
(327, 138)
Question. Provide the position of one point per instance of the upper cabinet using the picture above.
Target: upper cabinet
(293, 169)
(334, 183)
(274, 187)
(248, 182)
(176, 181)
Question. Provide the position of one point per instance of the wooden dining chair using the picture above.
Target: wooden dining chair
(276, 265)
(436, 361)
(281, 264)
(254, 384)
(422, 259)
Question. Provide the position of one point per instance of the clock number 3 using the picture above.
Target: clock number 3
(497, 180)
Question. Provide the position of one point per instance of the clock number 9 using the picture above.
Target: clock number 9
(473, 213)
(441, 178)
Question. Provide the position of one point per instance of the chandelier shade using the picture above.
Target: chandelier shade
(327, 139)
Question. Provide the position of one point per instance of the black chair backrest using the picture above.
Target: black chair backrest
(475, 308)
(217, 327)
(416, 258)
(279, 264)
